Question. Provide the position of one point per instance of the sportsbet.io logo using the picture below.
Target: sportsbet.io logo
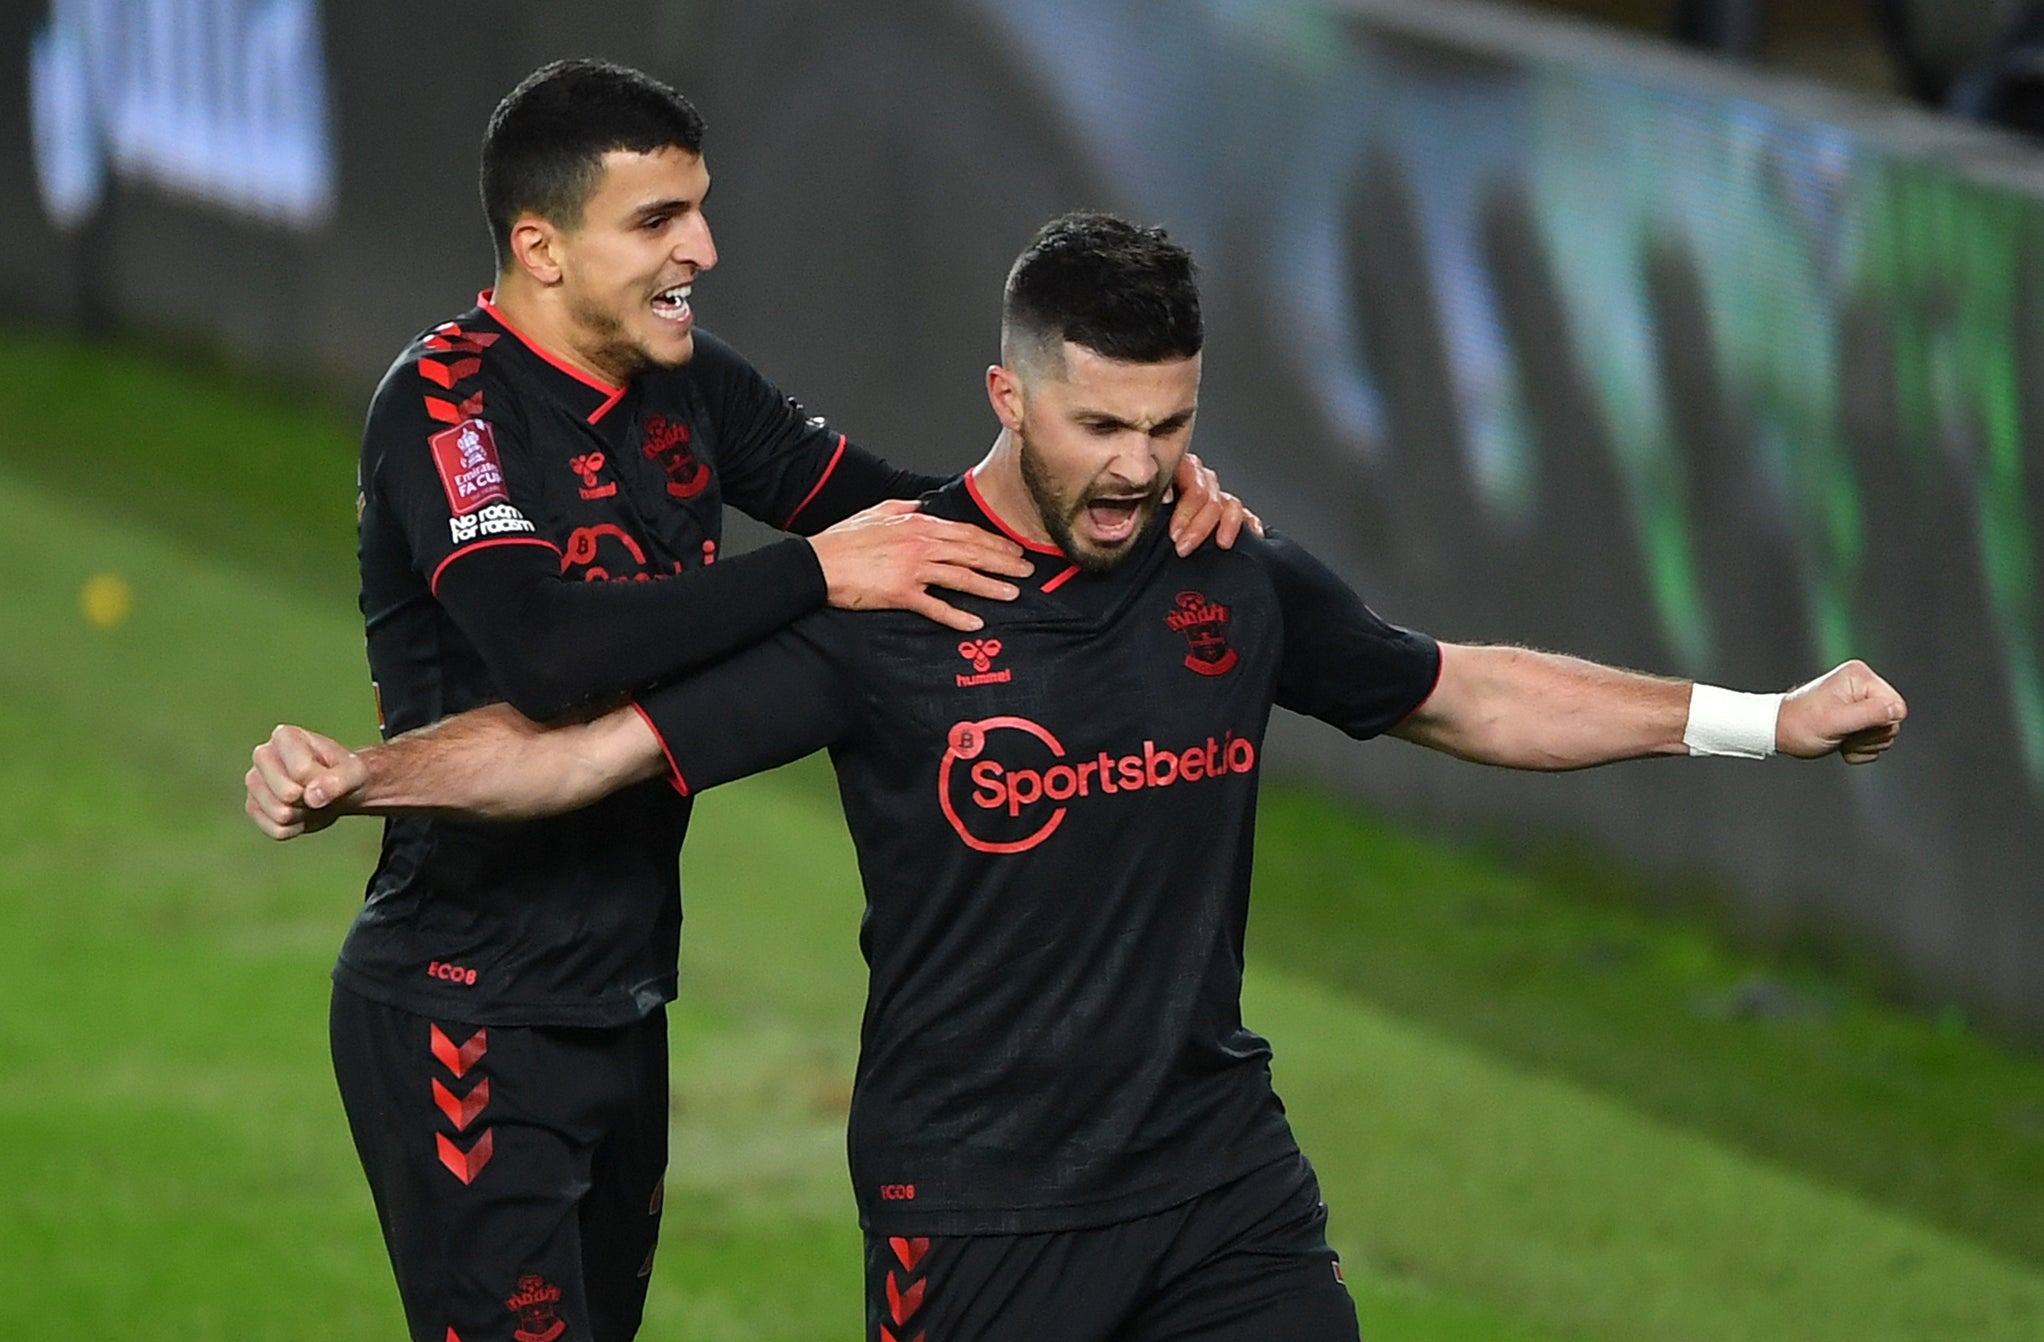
(1019, 781)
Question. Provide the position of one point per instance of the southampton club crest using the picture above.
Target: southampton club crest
(1205, 626)
(533, 1302)
(667, 442)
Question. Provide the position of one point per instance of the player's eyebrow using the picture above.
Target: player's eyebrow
(676, 205)
(1168, 424)
(670, 205)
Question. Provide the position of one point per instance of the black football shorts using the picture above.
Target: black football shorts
(1247, 1262)
(517, 1171)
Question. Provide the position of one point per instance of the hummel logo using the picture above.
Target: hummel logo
(981, 653)
(586, 466)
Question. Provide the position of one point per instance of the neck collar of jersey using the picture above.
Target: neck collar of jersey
(1059, 575)
(1000, 524)
(590, 397)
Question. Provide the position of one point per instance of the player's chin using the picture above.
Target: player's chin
(1100, 556)
(671, 351)
(664, 343)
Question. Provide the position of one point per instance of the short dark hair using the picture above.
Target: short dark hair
(544, 146)
(1120, 289)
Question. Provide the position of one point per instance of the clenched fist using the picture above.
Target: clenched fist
(300, 782)
(1849, 709)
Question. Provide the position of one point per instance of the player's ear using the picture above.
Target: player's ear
(535, 249)
(1004, 392)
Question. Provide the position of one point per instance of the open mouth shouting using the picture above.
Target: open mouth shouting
(1113, 519)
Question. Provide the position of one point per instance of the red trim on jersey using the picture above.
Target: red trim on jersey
(600, 411)
(483, 300)
(433, 583)
(835, 458)
(1061, 579)
(673, 769)
(972, 488)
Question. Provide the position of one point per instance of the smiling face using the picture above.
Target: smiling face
(1096, 442)
(623, 273)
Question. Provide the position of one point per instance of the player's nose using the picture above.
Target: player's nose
(696, 246)
(1134, 466)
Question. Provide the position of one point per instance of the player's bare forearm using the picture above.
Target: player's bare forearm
(1523, 709)
(1538, 710)
(490, 764)
(496, 764)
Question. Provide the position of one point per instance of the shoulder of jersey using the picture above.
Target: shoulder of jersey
(1249, 548)
(444, 376)
(448, 370)
(1250, 554)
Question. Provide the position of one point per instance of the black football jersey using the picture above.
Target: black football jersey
(1054, 820)
(479, 443)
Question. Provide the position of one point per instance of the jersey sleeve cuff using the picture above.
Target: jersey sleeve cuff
(433, 583)
(674, 777)
(793, 562)
(1433, 682)
(817, 488)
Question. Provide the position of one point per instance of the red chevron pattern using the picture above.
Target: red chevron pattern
(903, 1304)
(450, 338)
(461, 1112)
(466, 1165)
(459, 1060)
(905, 1291)
(447, 374)
(447, 412)
(463, 1165)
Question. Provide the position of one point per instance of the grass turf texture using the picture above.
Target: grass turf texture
(1536, 1117)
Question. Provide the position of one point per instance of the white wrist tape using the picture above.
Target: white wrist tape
(1727, 722)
